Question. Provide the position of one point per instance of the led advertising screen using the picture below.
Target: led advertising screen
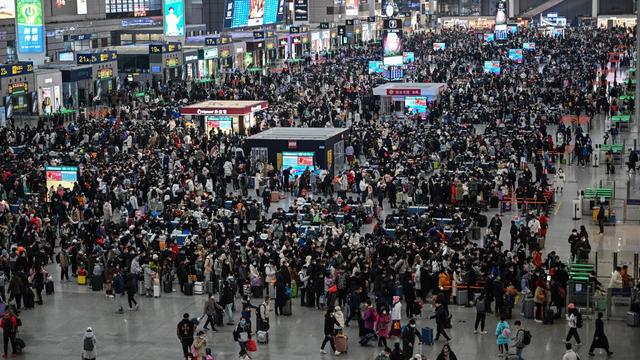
(7, 9)
(393, 60)
(376, 67)
(224, 123)
(515, 55)
(513, 29)
(408, 57)
(301, 10)
(242, 13)
(65, 176)
(439, 46)
(393, 73)
(82, 7)
(173, 17)
(489, 37)
(492, 66)
(416, 104)
(557, 32)
(298, 161)
(529, 46)
(501, 12)
(501, 32)
(30, 26)
(392, 42)
(351, 7)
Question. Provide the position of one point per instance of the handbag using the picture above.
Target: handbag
(252, 345)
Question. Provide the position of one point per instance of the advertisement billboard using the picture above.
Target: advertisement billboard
(416, 104)
(392, 42)
(376, 67)
(351, 7)
(489, 37)
(408, 57)
(60, 176)
(515, 55)
(7, 9)
(501, 12)
(439, 46)
(301, 10)
(492, 66)
(30, 26)
(82, 7)
(529, 46)
(298, 161)
(173, 17)
(501, 32)
(243, 13)
(393, 60)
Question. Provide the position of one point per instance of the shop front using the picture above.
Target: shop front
(241, 57)
(408, 98)
(190, 64)
(76, 85)
(227, 116)
(271, 49)
(50, 94)
(255, 57)
(283, 47)
(166, 61)
(207, 63)
(227, 56)
(611, 21)
(104, 70)
(470, 22)
(17, 83)
(295, 49)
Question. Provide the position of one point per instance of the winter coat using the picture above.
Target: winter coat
(86, 354)
(382, 325)
(503, 339)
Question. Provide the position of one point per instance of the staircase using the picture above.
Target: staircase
(540, 8)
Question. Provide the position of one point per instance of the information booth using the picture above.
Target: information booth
(228, 116)
(401, 98)
(298, 148)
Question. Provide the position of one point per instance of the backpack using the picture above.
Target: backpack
(88, 344)
(578, 320)
(526, 339)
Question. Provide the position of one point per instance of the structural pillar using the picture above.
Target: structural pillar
(594, 8)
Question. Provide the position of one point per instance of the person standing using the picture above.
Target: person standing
(89, 345)
(599, 338)
(63, 260)
(574, 320)
(242, 334)
(211, 307)
(503, 335)
(519, 339)
(262, 314)
(441, 321)
(119, 290)
(368, 320)
(185, 332)
(9, 325)
(329, 323)
(382, 327)
(481, 314)
(601, 218)
(446, 353)
(396, 316)
(539, 300)
(15, 290)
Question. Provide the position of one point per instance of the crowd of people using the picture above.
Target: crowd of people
(159, 200)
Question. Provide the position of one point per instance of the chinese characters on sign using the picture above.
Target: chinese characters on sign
(30, 26)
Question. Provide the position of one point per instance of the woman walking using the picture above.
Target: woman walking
(382, 327)
(599, 338)
(329, 322)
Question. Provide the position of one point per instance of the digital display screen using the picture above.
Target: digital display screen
(501, 32)
(301, 10)
(516, 56)
(376, 67)
(492, 66)
(393, 73)
(501, 12)
(351, 7)
(173, 16)
(408, 57)
(513, 29)
(393, 61)
(298, 161)
(439, 46)
(242, 13)
(416, 104)
(66, 56)
(392, 42)
(224, 123)
(65, 176)
(557, 32)
(489, 37)
(7, 9)
(529, 46)
(30, 26)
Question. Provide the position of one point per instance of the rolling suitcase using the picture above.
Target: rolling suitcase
(475, 233)
(156, 291)
(342, 343)
(20, 345)
(286, 309)
(49, 287)
(275, 196)
(263, 337)
(218, 318)
(208, 287)
(549, 314)
(427, 335)
(493, 203)
(188, 289)
(198, 288)
(633, 319)
(28, 299)
(141, 290)
(528, 307)
(167, 286)
(96, 283)
(463, 297)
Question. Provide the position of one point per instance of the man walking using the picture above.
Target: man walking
(211, 307)
(119, 290)
(441, 321)
(185, 331)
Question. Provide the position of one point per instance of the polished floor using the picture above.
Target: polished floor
(54, 330)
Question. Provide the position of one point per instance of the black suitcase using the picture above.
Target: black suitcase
(256, 291)
(96, 283)
(549, 314)
(482, 220)
(188, 289)
(506, 312)
(29, 299)
(167, 286)
(48, 287)
(20, 345)
(494, 202)
(218, 319)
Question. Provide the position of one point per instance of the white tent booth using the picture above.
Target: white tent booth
(400, 98)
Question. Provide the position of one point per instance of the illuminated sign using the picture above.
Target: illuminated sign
(173, 17)
(294, 30)
(301, 10)
(7, 9)
(30, 26)
(17, 88)
(188, 58)
(105, 73)
(392, 92)
(172, 62)
(20, 68)
(97, 58)
(324, 25)
(258, 35)
(243, 13)
(205, 54)
(165, 48)
(213, 41)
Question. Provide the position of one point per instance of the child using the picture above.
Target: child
(560, 177)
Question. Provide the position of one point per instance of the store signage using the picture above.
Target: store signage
(106, 73)
(403, 91)
(17, 88)
(371, 19)
(392, 24)
(213, 41)
(165, 48)
(193, 110)
(20, 68)
(294, 29)
(80, 37)
(324, 25)
(301, 10)
(211, 111)
(188, 58)
(292, 144)
(205, 54)
(342, 30)
(296, 40)
(139, 22)
(225, 53)
(172, 62)
(348, 22)
(283, 42)
(30, 26)
(258, 35)
(82, 7)
(97, 58)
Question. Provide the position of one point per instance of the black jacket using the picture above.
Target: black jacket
(329, 322)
